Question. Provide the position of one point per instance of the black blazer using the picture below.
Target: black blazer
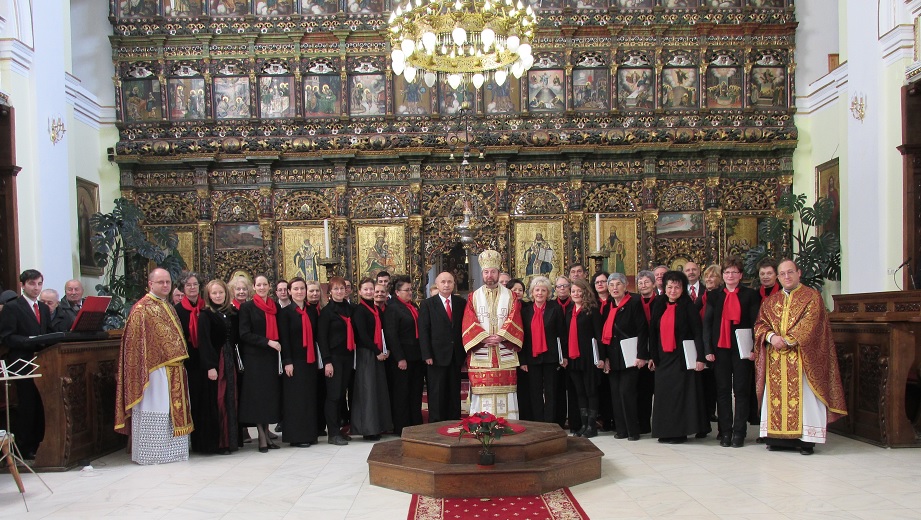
(630, 322)
(749, 300)
(290, 328)
(216, 331)
(400, 332)
(440, 339)
(363, 324)
(18, 323)
(185, 316)
(687, 326)
(554, 329)
(252, 328)
(589, 324)
(331, 332)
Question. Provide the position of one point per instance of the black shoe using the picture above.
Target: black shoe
(725, 440)
(345, 436)
(271, 435)
(321, 433)
(677, 440)
(620, 435)
(633, 438)
(223, 451)
(338, 441)
(713, 418)
(759, 440)
(300, 444)
(273, 446)
(278, 427)
(263, 449)
(700, 435)
(371, 437)
(664, 440)
(738, 441)
(806, 451)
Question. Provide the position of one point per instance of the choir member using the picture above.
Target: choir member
(646, 287)
(337, 348)
(371, 401)
(407, 369)
(298, 325)
(544, 334)
(260, 400)
(314, 300)
(242, 291)
(216, 423)
(584, 333)
(188, 310)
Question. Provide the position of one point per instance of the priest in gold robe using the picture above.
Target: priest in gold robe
(492, 338)
(797, 377)
(152, 396)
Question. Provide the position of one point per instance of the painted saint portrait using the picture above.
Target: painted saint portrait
(186, 98)
(679, 87)
(724, 87)
(546, 91)
(276, 96)
(768, 87)
(380, 248)
(174, 8)
(829, 184)
(452, 99)
(538, 249)
(619, 246)
(302, 248)
(230, 7)
(502, 99)
(591, 4)
(723, 3)
(634, 4)
(367, 95)
(590, 89)
(678, 4)
(274, 7)
(87, 206)
(364, 6)
(141, 100)
(635, 88)
(766, 3)
(137, 8)
(319, 7)
(412, 98)
(231, 97)
(322, 95)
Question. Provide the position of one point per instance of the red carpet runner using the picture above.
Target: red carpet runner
(555, 505)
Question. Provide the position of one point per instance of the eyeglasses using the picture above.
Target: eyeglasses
(408, 289)
(732, 272)
(600, 281)
(563, 286)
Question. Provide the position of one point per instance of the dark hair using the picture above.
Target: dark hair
(286, 282)
(366, 279)
(768, 262)
(398, 282)
(186, 277)
(577, 264)
(676, 276)
(733, 261)
(30, 274)
(513, 281)
(381, 273)
(295, 279)
(594, 277)
(589, 299)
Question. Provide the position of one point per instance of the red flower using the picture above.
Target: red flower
(473, 419)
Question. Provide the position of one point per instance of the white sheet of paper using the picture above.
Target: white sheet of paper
(595, 356)
(383, 344)
(281, 368)
(628, 349)
(559, 350)
(319, 356)
(690, 354)
(355, 359)
(746, 342)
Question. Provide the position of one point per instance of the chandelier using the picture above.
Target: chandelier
(464, 40)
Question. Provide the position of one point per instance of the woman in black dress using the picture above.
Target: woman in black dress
(298, 323)
(679, 410)
(337, 349)
(584, 333)
(217, 344)
(544, 334)
(260, 402)
(625, 322)
(188, 310)
(371, 404)
(407, 369)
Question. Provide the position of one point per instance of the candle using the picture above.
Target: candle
(326, 236)
(597, 232)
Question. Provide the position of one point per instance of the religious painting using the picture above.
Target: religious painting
(682, 224)
(546, 91)
(186, 249)
(504, 98)
(591, 4)
(322, 95)
(137, 8)
(768, 87)
(679, 87)
(175, 8)
(364, 6)
(319, 7)
(87, 206)
(766, 3)
(634, 4)
(276, 96)
(678, 4)
(723, 3)
(367, 95)
(544, 5)
(412, 99)
(635, 88)
(141, 100)
(186, 98)
(302, 248)
(237, 236)
(828, 186)
(231, 97)
(724, 87)
(590, 89)
(380, 248)
(539, 250)
(618, 244)
(274, 7)
(452, 99)
(230, 7)
(741, 234)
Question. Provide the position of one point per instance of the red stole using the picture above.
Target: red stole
(564, 305)
(647, 307)
(608, 331)
(378, 331)
(732, 315)
(235, 303)
(574, 334)
(667, 328)
(306, 333)
(415, 312)
(194, 311)
(270, 309)
(538, 338)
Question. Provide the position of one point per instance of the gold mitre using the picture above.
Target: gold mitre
(490, 259)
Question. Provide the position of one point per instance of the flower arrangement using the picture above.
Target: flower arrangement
(485, 427)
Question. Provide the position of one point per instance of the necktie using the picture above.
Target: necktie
(693, 293)
(448, 308)
(38, 315)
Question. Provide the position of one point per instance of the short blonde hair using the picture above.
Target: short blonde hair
(540, 280)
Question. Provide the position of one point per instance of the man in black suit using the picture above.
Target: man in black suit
(440, 320)
(22, 318)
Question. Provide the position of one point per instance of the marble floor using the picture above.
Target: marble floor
(844, 479)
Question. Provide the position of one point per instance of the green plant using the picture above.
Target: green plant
(818, 257)
(485, 427)
(125, 249)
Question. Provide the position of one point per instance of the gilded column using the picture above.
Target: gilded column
(415, 251)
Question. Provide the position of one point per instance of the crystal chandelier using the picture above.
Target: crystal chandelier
(464, 40)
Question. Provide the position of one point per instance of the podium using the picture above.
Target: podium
(878, 339)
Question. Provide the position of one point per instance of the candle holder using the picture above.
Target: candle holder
(597, 257)
(331, 265)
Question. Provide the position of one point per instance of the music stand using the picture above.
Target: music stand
(19, 369)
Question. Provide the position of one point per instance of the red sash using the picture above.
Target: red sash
(415, 312)
(574, 334)
(732, 314)
(306, 334)
(349, 333)
(195, 310)
(608, 331)
(269, 308)
(378, 331)
(538, 338)
(667, 328)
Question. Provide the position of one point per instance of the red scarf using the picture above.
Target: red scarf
(538, 338)
(732, 315)
(667, 328)
(306, 333)
(349, 333)
(378, 331)
(647, 307)
(415, 312)
(194, 311)
(772, 290)
(703, 304)
(574, 334)
(608, 331)
(564, 305)
(270, 309)
(235, 303)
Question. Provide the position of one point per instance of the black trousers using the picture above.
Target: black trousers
(29, 421)
(525, 410)
(623, 385)
(336, 387)
(572, 402)
(406, 394)
(542, 386)
(645, 389)
(444, 392)
(733, 377)
(585, 383)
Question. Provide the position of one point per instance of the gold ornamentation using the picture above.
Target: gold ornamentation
(859, 106)
(56, 129)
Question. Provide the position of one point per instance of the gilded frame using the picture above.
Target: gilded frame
(538, 248)
(87, 206)
(828, 185)
(299, 251)
(379, 248)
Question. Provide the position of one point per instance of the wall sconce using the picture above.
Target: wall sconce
(56, 129)
(859, 106)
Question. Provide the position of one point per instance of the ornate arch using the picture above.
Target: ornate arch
(168, 208)
(237, 208)
(446, 210)
(680, 197)
(613, 198)
(538, 202)
(379, 204)
(302, 205)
